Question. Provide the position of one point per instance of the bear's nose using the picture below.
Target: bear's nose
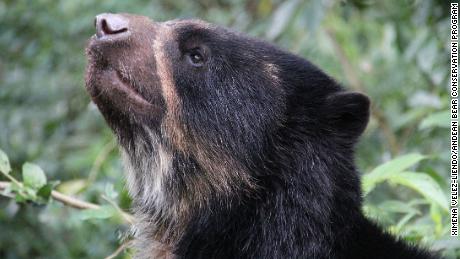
(108, 24)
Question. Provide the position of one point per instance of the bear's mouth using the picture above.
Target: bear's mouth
(109, 88)
(108, 81)
(129, 88)
(122, 91)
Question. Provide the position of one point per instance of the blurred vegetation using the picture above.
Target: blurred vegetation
(395, 51)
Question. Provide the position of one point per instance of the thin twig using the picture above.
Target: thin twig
(11, 178)
(127, 217)
(120, 249)
(62, 198)
(74, 202)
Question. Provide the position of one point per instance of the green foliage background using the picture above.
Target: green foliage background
(395, 51)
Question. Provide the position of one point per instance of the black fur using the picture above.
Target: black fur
(261, 154)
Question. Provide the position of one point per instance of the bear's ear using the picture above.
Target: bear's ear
(347, 114)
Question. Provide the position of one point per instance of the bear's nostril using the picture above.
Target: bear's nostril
(109, 24)
(107, 29)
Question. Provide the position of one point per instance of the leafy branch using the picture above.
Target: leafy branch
(35, 188)
(60, 197)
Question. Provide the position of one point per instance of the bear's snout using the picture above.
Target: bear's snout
(108, 25)
(121, 71)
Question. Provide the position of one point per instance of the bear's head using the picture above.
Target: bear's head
(201, 111)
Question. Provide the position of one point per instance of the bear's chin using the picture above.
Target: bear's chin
(118, 101)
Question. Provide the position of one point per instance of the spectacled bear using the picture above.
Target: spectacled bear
(233, 147)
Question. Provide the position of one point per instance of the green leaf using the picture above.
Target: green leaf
(436, 216)
(45, 191)
(110, 191)
(29, 193)
(101, 213)
(33, 176)
(5, 166)
(423, 184)
(20, 198)
(439, 119)
(385, 171)
(378, 213)
(403, 221)
(72, 187)
(14, 187)
(24, 193)
(396, 206)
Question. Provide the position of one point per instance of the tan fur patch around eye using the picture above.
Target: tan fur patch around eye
(223, 173)
(164, 65)
(221, 176)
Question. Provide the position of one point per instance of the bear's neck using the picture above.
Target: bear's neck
(299, 200)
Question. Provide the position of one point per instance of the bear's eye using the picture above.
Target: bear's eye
(195, 58)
